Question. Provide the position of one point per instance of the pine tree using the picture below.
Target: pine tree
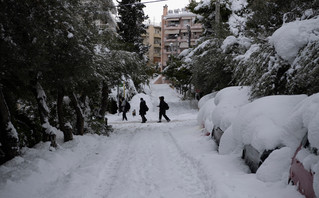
(131, 25)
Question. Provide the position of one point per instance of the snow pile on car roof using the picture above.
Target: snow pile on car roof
(219, 110)
(261, 123)
(227, 103)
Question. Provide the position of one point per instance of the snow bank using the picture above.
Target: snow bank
(291, 37)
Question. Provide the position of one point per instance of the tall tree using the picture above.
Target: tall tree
(131, 25)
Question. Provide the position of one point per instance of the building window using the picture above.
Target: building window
(186, 22)
(172, 23)
(157, 31)
(157, 41)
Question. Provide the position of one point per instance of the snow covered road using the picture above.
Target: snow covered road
(151, 164)
(138, 160)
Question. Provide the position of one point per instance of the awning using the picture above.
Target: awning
(172, 19)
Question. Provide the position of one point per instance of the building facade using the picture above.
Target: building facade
(179, 32)
(153, 40)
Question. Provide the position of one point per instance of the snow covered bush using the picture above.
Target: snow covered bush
(264, 70)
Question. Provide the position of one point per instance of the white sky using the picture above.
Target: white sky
(155, 10)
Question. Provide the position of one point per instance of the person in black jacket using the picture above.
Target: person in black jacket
(143, 109)
(125, 108)
(163, 106)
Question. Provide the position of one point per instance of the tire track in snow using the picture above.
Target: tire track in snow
(156, 167)
(112, 165)
(190, 171)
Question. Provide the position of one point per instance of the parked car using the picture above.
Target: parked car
(298, 174)
(253, 158)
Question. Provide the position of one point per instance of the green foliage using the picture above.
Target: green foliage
(208, 14)
(55, 43)
(211, 68)
(177, 73)
(303, 77)
(269, 15)
(131, 25)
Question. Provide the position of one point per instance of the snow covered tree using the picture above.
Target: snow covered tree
(131, 25)
(9, 140)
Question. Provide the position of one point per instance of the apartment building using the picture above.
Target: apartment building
(152, 38)
(179, 32)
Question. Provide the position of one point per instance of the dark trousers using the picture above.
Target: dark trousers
(163, 113)
(124, 115)
(143, 118)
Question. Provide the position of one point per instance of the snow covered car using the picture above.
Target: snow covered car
(259, 127)
(227, 104)
(298, 174)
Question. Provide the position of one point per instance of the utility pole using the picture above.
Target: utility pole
(189, 35)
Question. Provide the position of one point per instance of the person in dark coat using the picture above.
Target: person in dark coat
(163, 106)
(125, 108)
(143, 109)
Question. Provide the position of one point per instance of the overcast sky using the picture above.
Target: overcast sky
(155, 10)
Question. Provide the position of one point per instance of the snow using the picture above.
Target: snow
(271, 170)
(12, 131)
(267, 123)
(70, 35)
(203, 4)
(253, 48)
(261, 123)
(227, 103)
(293, 36)
(148, 160)
(50, 130)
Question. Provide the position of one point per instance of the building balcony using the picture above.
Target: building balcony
(157, 35)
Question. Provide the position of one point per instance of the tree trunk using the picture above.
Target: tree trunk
(9, 140)
(49, 132)
(79, 114)
(66, 129)
(105, 95)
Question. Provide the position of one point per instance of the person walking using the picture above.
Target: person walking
(143, 109)
(125, 108)
(163, 106)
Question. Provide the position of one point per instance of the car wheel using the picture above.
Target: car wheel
(243, 155)
(290, 181)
